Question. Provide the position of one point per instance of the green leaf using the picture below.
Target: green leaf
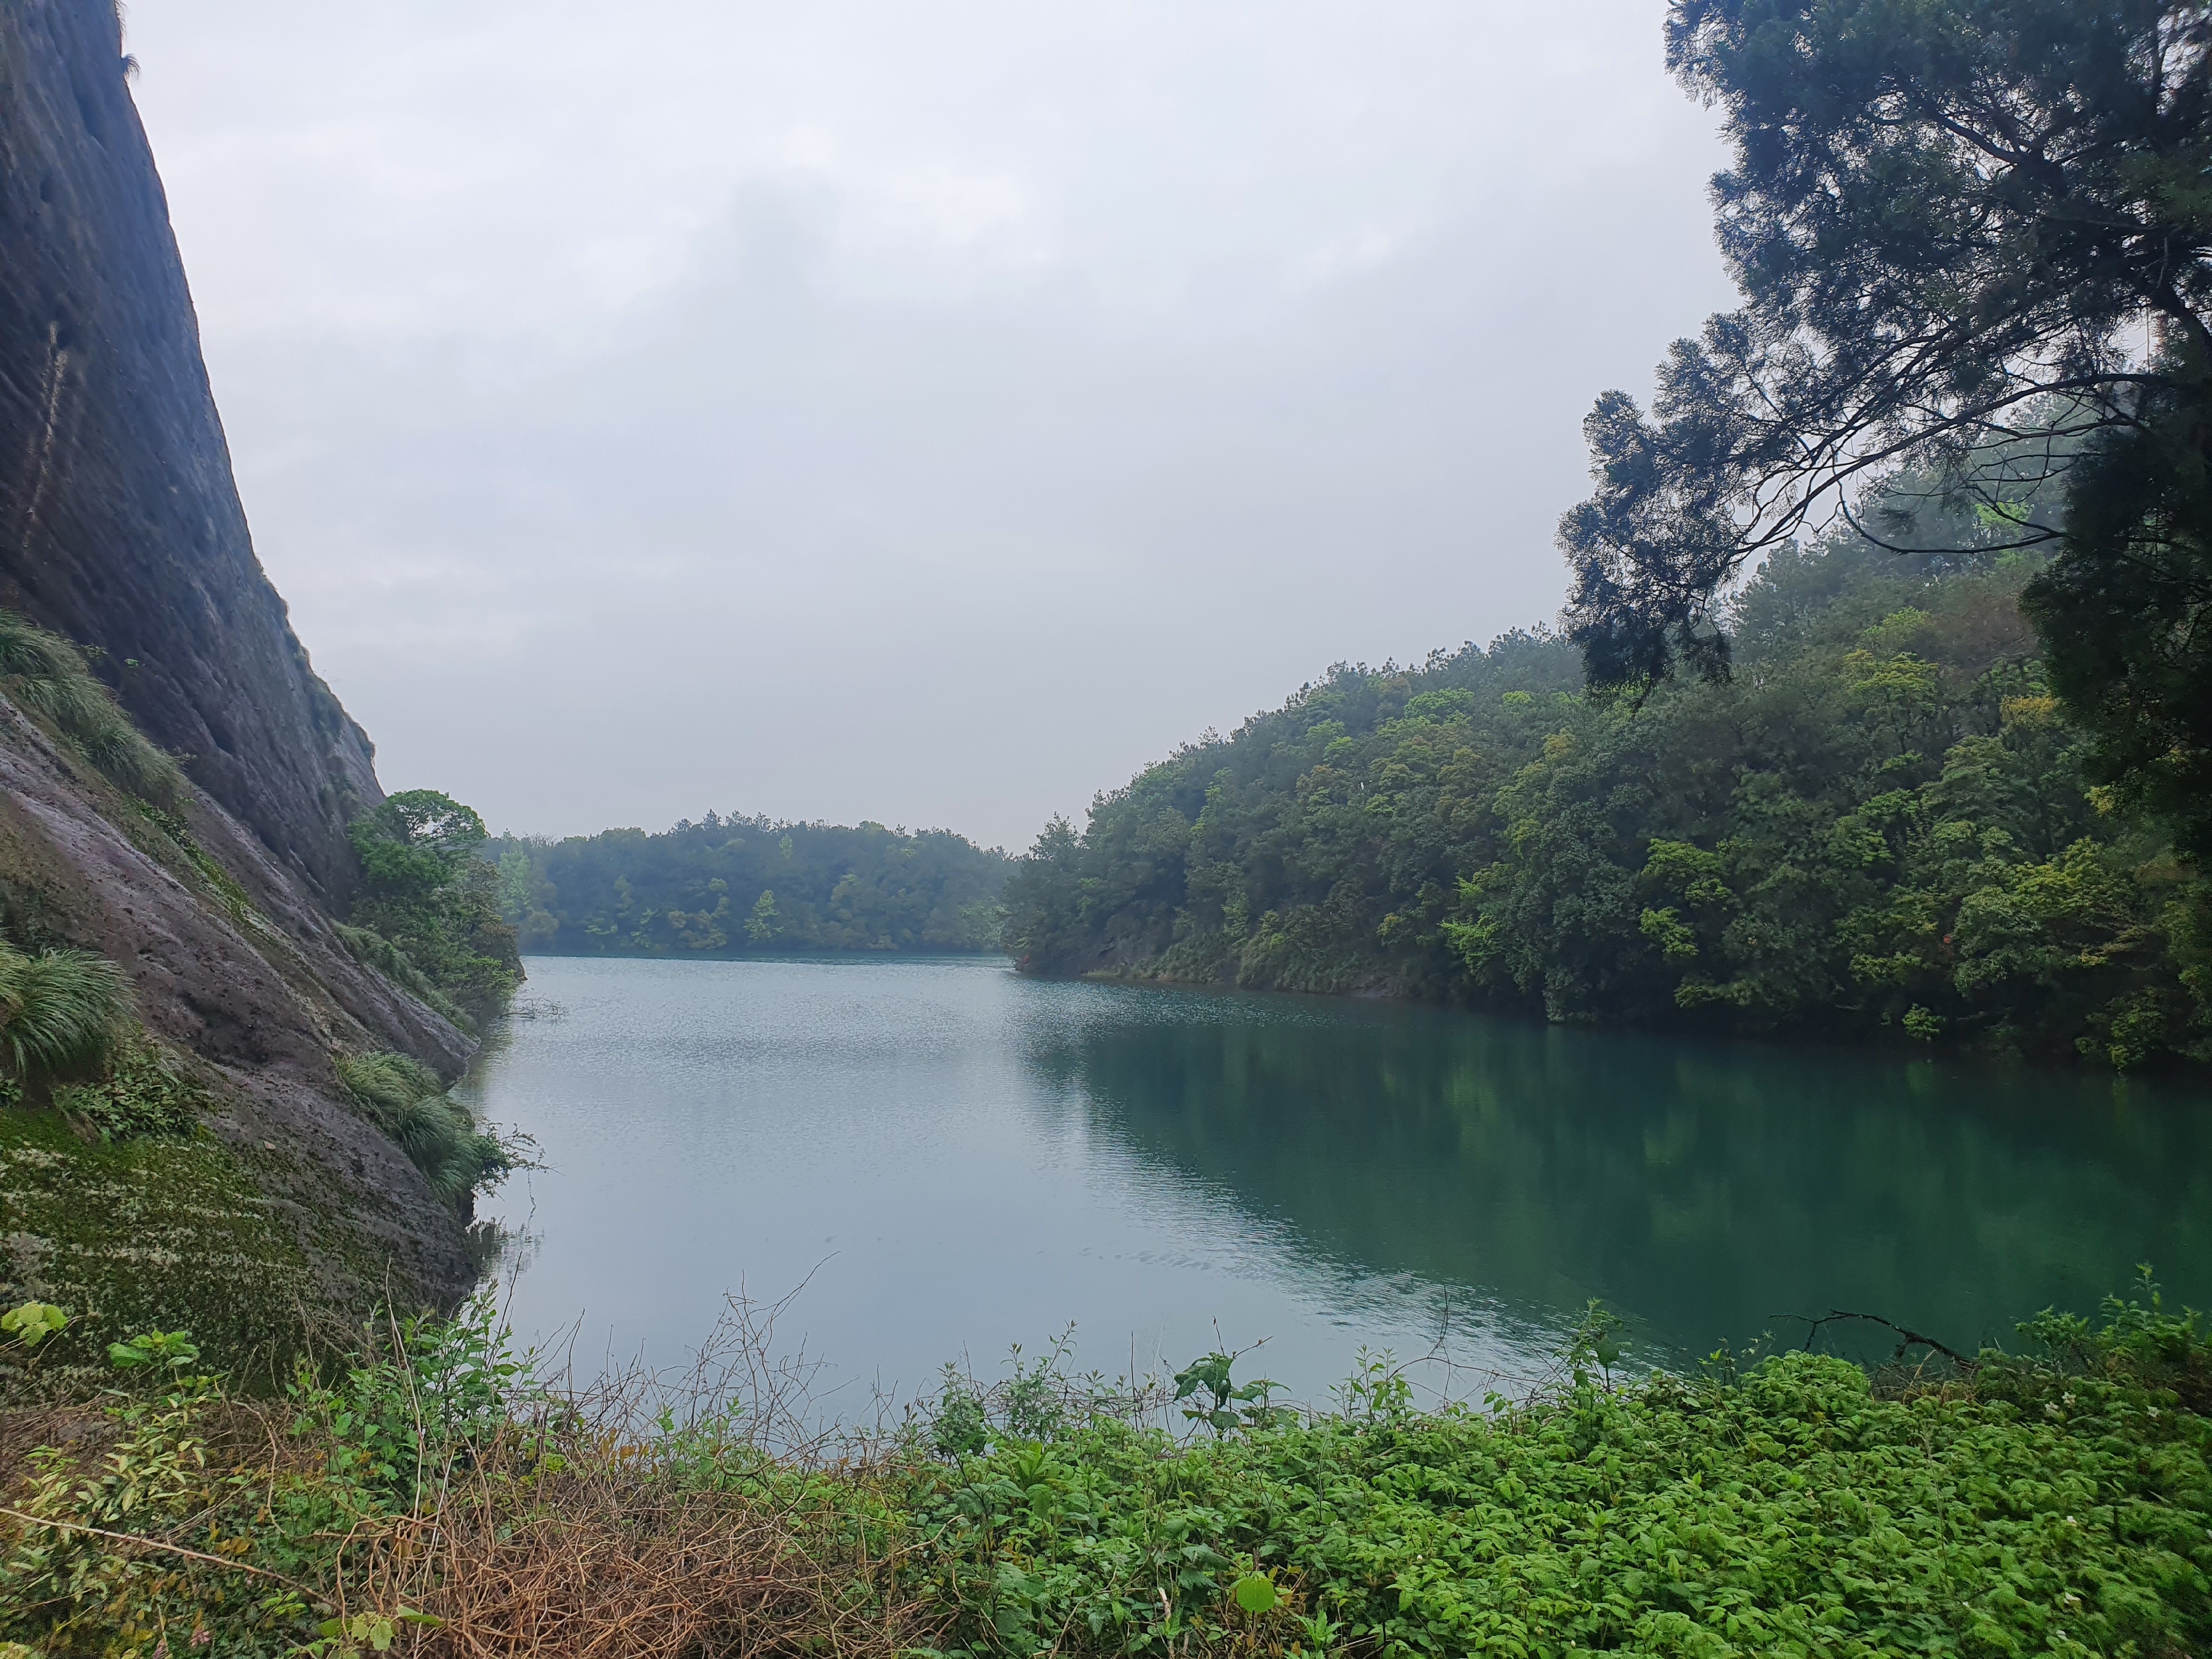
(1255, 1593)
(33, 1322)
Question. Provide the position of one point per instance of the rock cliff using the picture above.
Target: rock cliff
(119, 524)
(121, 528)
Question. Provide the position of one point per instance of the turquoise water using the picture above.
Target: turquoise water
(951, 1159)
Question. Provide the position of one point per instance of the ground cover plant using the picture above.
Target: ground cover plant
(434, 1495)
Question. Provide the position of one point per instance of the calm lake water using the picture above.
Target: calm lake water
(953, 1160)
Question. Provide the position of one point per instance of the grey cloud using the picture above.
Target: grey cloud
(824, 523)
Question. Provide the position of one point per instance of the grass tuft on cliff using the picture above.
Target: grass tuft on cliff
(43, 674)
(405, 1098)
(63, 1013)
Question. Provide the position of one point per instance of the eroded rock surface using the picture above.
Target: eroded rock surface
(120, 525)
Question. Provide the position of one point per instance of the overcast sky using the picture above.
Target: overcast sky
(921, 412)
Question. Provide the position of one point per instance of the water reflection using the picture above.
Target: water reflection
(1704, 1188)
(955, 1159)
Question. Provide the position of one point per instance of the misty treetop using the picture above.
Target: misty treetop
(1879, 825)
(728, 886)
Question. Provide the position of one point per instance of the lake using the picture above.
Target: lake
(953, 1160)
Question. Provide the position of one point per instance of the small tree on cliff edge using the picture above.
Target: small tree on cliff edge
(1971, 238)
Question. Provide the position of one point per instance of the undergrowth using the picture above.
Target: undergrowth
(443, 1497)
(369, 947)
(144, 1092)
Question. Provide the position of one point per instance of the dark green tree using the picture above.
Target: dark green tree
(1974, 243)
(428, 892)
(730, 885)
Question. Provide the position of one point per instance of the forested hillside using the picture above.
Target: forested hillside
(726, 886)
(1879, 825)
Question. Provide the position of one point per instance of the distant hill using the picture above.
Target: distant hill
(740, 886)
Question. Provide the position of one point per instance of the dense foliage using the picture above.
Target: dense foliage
(1974, 237)
(428, 912)
(437, 1496)
(1791, 1510)
(1882, 823)
(725, 886)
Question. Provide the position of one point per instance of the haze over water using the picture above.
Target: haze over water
(953, 1160)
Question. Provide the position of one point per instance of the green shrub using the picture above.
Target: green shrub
(143, 1094)
(43, 673)
(1789, 1509)
(62, 1013)
(2135, 1341)
(405, 1098)
(1792, 1509)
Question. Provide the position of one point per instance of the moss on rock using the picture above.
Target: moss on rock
(130, 1234)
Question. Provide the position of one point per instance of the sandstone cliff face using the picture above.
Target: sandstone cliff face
(119, 524)
(120, 527)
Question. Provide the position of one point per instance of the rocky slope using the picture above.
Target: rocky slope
(121, 528)
(119, 525)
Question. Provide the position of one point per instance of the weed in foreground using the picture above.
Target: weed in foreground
(444, 1497)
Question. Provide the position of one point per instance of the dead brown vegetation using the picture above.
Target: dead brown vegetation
(606, 1565)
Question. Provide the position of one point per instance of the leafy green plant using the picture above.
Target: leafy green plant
(155, 1351)
(2062, 1501)
(342, 1638)
(2134, 1337)
(423, 1392)
(1596, 1339)
(1781, 1506)
(1378, 1391)
(1221, 1402)
(33, 1322)
(69, 1589)
(145, 1092)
